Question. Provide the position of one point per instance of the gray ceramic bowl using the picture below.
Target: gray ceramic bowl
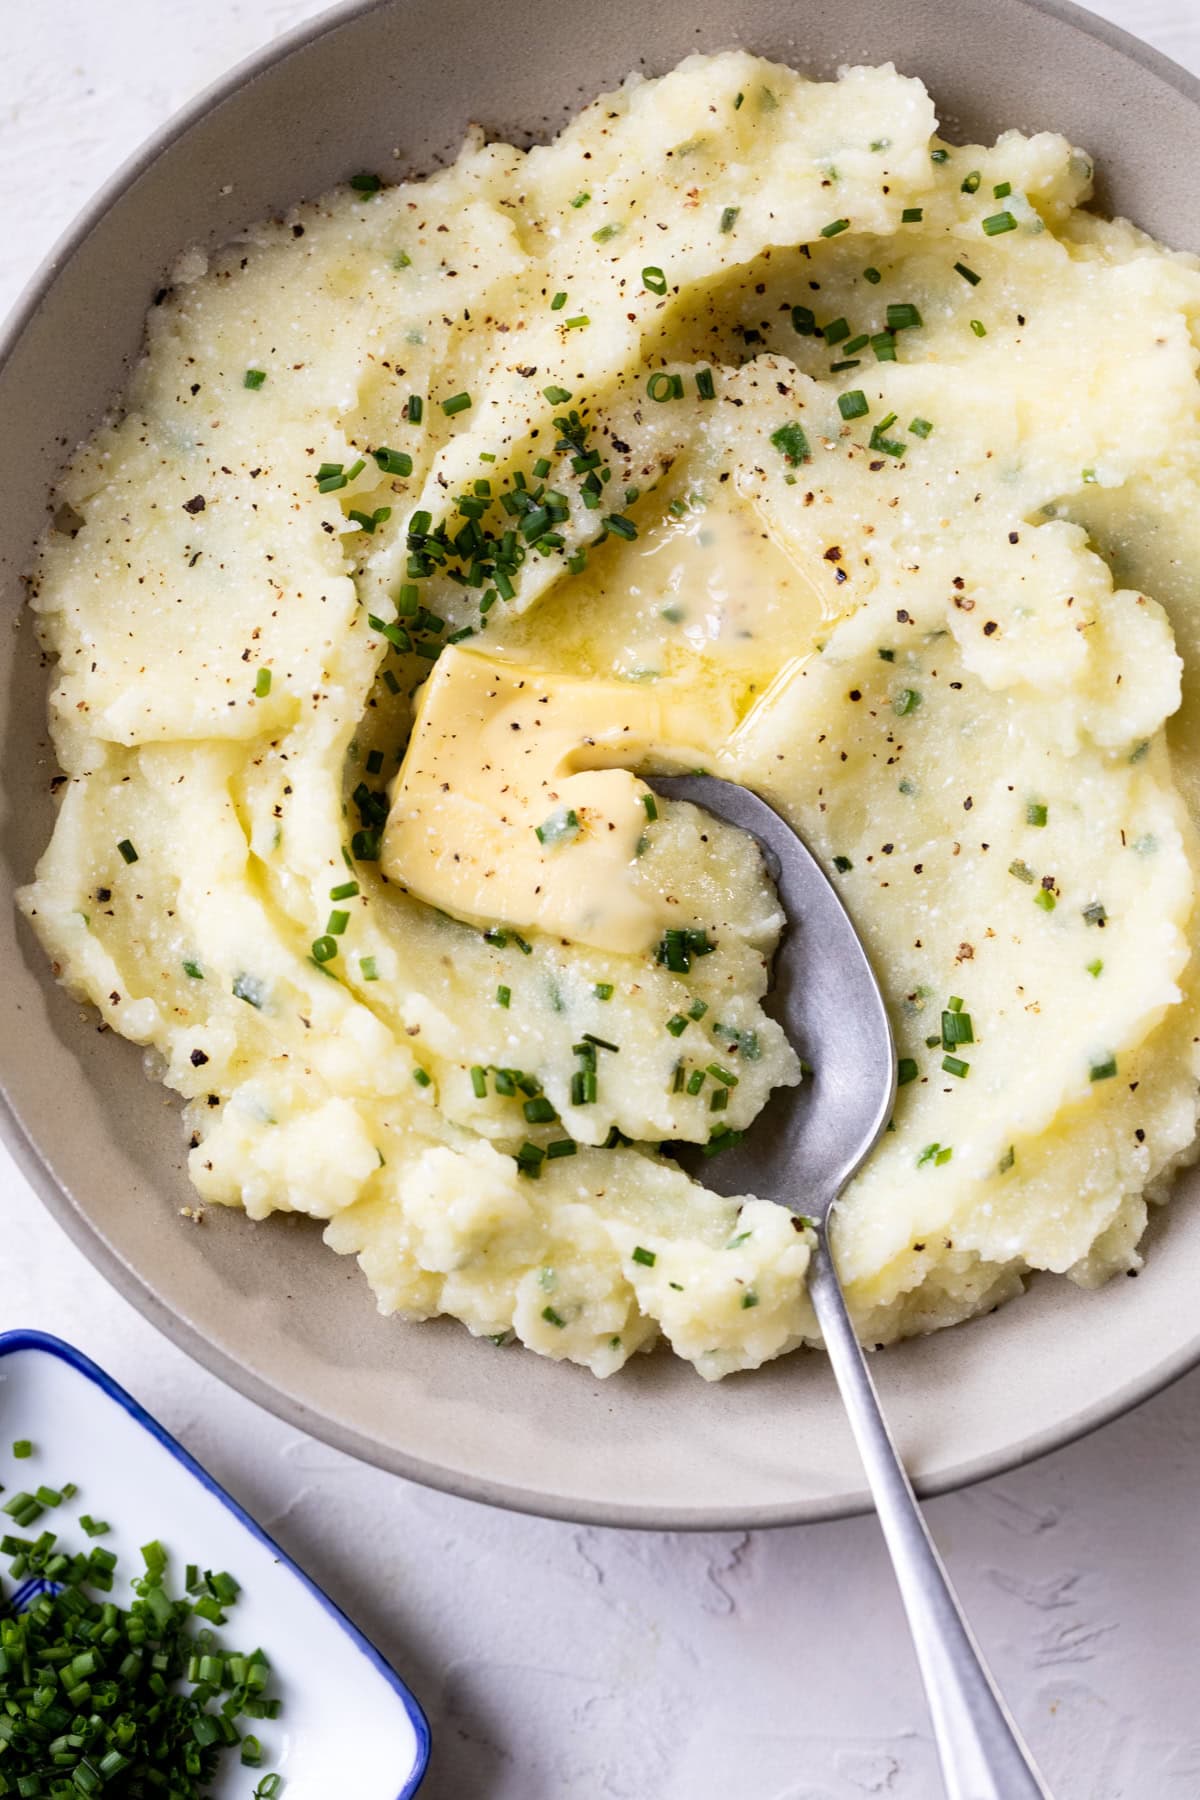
(267, 1307)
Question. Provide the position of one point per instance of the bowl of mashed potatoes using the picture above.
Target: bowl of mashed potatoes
(800, 407)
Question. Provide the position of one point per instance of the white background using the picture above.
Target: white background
(560, 1662)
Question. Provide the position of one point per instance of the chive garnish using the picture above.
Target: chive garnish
(836, 330)
(557, 396)
(1103, 1071)
(967, 274)
(704, 384)
(455, 404)
(835, 228)
(999, 223)
(559, 827)
(906, 1071)
(978, 327)
(905, 701)
(127, 850)
(971, 182)
(262, 683)
(1002, 190)
(792, 441)
(393, 462)
(22, 1448)
(1036, 813)
(603, 990)
(912, 215)
(647, 1258)
(503, 996)
(254, 378)
(920, 428)
(422, 1077)
(954, 1065)
(729, 217)
(415, 409)
(853, 405)
(654, 279)
(558, 302)
(367, 968)
(903, 316)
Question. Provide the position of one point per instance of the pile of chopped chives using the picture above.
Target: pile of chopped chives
(129, 1703)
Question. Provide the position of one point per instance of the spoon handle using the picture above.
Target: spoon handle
(980, 1749)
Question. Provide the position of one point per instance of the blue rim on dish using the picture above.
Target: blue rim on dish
(52, 1346)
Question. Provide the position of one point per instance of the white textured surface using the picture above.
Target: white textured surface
(557, 1663)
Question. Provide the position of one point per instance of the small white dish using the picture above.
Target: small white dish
(349, 1728)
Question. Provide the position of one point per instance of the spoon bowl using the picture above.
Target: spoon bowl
(800, 1152)
(807, 1142)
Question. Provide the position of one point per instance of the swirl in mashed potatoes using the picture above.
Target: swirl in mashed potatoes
(748, 424)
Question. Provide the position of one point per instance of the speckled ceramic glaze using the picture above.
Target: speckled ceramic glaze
(393, 84)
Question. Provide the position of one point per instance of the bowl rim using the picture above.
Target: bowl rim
(191, 1338)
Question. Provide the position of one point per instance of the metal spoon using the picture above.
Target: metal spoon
(804, 1147)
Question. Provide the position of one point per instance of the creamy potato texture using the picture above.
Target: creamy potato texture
(750, 422)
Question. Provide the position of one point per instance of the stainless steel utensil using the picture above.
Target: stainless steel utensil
(800, 1153)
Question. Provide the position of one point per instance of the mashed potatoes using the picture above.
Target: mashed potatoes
(747, 420)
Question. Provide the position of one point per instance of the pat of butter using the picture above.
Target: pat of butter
(515, 802)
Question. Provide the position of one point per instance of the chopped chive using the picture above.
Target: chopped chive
(479, 1082)
(651, 806)
(606, 232)
(971, 182)
(912, 215)
(262, 683)
(415, 409)
(192, 969)
(749, 1300)
(729, 217)
(1002, 190)
(704, 384)
(1094, 968)
(557, 396)
(853, 405)
(677, 1025)
(561, 1147)
(603, 990)
(654, 279)
(842, 864)
(22, 1448)
(792, 442)
(1103, 1071)
(906, 1071)
(940, 155)
(367, 968)
(422, 1077)
(366, 183)
(580, 200)
(663, 386)
(884, 345)
(503, 996)
(1045, 899)
(393, 462)
(697, 1009)
(903, 316)
(1036, 813)
(558, 302)
(127, 850)
(905, 701)
(345, 890)
(920, 428)
(576, 323)
(324, 950)
(873, 276)
(804, 321)
(621, 526)
(553, 1318)
(559, 827)
(998, 223)
(954, 1065)
(835, 228)
(455, 404)
(254, 378)
(836, 330)
(979, 328)
(967, 274)
(647, 1258)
